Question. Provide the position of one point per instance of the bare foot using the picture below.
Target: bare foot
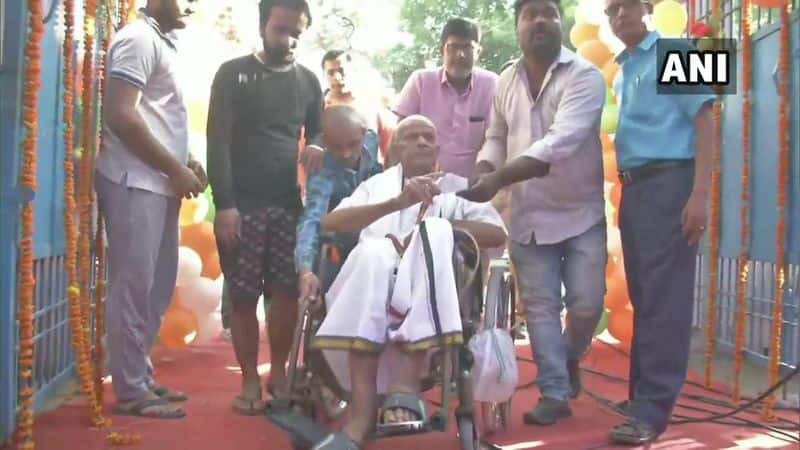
(397, 415)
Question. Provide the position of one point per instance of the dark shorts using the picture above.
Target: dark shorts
(264, 258)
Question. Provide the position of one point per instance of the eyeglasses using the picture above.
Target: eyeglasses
(456, 47)
(613, 10)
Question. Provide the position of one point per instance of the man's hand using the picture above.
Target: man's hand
(311, 158)
(199, 172)
(483, 188)
(694, 217)
(419, 189)
(309, 286)
(228, 228)
(185, 183)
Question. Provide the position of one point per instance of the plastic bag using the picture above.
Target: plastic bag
(494, 372)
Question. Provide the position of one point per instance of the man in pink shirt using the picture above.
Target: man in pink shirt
(456, 97)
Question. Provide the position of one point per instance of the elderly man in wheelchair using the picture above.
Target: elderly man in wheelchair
(395, 298)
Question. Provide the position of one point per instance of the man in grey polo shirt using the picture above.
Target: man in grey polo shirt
(143, 171)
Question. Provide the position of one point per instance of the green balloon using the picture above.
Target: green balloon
(608, 122)
(609, 96)
(212, 211)
(602, 324)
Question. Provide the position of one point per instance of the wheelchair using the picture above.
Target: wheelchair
(316, 400)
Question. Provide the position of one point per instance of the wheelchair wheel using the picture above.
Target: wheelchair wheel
(500, 307)
(468, 434)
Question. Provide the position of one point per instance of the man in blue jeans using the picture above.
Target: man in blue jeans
(543, 141)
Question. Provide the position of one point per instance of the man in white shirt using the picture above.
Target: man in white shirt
(143, 171)
(543, 142)
(378, 329)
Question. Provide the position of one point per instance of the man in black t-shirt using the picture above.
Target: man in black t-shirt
(260, 103)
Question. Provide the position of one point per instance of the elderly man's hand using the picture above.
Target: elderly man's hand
(420, 189)
(312, 158)
(483, 188)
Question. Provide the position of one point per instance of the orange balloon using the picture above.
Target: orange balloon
(610, 70)
(607, 142)
(615, 196)
(582, 32)
(200, 238)
(211, 266)
(769, 3)
(610, 167)
(620, 325)
(179, 328)
(616, 291)
(595, 52)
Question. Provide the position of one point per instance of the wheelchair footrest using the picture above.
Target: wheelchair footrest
(302, 428)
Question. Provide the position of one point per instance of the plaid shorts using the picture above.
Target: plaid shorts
(264, 257)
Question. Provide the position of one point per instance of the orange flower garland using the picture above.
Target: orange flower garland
(784, 155)
(26, 281)
(713, 230)
(744, 213)
(84, 182)
(99, 243)
(78, 291)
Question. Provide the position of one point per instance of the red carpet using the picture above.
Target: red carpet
(209, 375)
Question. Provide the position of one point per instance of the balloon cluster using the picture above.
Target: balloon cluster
(192, 317)
(595, 42)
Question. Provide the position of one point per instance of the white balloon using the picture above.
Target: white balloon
(208, 328)
(190, 266)
(202, 296)
(592, 11)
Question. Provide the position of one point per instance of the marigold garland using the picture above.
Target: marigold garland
(78, 259)
(713, 228)
(784, 161)
(744, 212)
(99, 243)
(26, 281)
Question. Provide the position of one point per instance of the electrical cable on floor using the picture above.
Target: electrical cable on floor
(714, 417)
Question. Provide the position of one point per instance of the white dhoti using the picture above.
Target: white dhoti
(381, 298)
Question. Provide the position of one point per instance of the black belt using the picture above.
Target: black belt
(648, 170)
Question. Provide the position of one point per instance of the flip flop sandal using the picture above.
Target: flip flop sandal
(169, 394)
(251, 409)
(337, 441)
(138, 410)
(409, 402)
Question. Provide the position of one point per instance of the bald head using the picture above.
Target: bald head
(343, 130)
(342, 116)
(411, 122)
(414, 144)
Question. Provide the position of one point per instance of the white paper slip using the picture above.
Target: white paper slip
(450, 183)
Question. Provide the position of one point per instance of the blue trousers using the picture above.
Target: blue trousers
(660, 269)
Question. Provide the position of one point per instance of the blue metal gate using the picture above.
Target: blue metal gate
(10, 68)
(53, 361)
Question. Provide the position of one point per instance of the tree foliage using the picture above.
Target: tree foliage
(424, 20)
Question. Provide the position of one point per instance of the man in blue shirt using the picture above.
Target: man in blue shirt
(351, 157)
(664, 150)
